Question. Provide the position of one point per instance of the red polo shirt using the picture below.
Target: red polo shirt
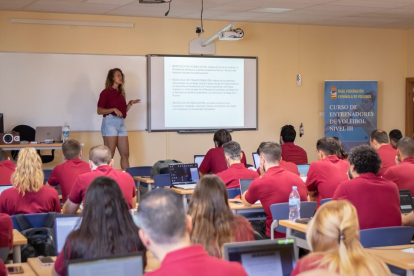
(112, 98)
(275, 187)
(3, 271)
(294, 154)
(325, 175)
(124, 180)
(289, 166)
(44, 201)
(387, 155)
(376, 199)
(7, 168)
(215, 161)
(231, 177)
(194, 260)
(309, 262)
(402, 174)
(6, 231)
(66, 174)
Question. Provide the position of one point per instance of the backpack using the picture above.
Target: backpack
(40, 240)
(161, 167)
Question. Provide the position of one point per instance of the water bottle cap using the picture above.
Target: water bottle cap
(294, 188)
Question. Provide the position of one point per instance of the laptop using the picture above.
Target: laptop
(64, 225)
(406, 202)
(303, 169)
(184, 176)
(48, 133)
(5, 187)
(123, 265)
(198, 159)
(266, 257)
(256, 159)
(244, 186)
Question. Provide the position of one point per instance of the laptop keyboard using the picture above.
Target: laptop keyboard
(186, 186)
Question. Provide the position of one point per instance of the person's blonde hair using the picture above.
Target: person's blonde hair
(109, 82)
(334, 231)
(28, 176)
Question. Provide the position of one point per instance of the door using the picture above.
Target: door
(409, 108)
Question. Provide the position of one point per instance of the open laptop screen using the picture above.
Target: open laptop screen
(126, 265)
(64, 225)
(256, 160)
(303, 169)
(270, 257)
(183, 173)
(244, 185)
(406, 201)
(48, 133)
(198, 159)
(2, 188)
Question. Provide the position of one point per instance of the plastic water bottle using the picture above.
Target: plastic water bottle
(65, 132)
(294, 204)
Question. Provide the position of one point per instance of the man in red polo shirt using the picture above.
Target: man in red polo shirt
(7, 168)
(376, 199)
(275, 186)
(379, 141)
(100, 163)
(66, 174)
(214, 161)
(171, 242)
(236, 171)
(291, 152)
(325, 175)
(289, 166)
(403, 173)
(395, 136)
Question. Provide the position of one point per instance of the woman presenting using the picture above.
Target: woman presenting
(112, 105)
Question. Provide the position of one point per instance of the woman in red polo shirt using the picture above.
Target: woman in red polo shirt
(28, 194)
(213, 222)
(333, 235)
(107, 227)
(112, 105)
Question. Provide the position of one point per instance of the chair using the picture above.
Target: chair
(47, 174)
(139, 171)
(386, 236)
(280, 211)
(37, 220)
(232, 193)
(4, 252)
(323, 201)
(162, 180)
(27, 133)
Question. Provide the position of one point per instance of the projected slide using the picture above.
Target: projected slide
(204, 92)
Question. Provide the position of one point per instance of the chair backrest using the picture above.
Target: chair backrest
(232, 193)
(37, 220)
(47, 174)
(139, 171)
(386, 236)
(280, 211)
(323, 201)
(162, 180)
(4, 252)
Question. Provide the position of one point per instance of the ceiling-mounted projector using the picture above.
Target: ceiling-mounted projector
(153, 1)
(236, 34)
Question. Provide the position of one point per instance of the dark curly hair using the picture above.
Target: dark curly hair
(365, 159)
(288, 134)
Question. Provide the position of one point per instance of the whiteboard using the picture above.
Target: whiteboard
(51, 89)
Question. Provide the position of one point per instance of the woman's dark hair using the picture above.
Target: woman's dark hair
(221, 137)
(107, 227)
(342, 154)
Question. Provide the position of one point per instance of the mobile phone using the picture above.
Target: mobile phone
(15, 269)
(46, 260)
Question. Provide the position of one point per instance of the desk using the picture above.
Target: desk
(36, 146)
(183, 193)
(393, 255)
(291, 227)
(27, 270)
(143, 179)
(18, 240)
(253, 212)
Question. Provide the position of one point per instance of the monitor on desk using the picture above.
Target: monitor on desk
(125, 265)
(64, 225)
(266, 257)
(183, 173)
(406, 201)
(256, 160)
(198, 159)
(303, 170)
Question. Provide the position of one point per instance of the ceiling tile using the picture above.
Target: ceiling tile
(369, 4)
(66, 7)
(14, 4)
(111, 2)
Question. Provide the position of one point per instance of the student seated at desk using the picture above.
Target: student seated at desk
(28, 194)
(290, 151)
(289, 166)
(100, 162)
(214, 161)
(7, 168)
(6, 231)
(379, 141)
(395, 135)
(165, 231)
(107, 228)
(376, 199)
(213, 222)
(275, 186)
(342, 154)
(333, 236)
(236, 171)
(325, 174)
(66, 174)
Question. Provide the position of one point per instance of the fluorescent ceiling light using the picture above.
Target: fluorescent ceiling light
(72, 23)
(271, 10)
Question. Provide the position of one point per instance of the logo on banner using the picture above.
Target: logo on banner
(333, 92)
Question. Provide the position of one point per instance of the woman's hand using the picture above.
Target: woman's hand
(132, 102)
(118, 113)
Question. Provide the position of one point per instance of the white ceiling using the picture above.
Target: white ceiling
(396, 14)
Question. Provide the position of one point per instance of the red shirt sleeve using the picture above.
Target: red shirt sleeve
(311, 179)
(340, 192)
(6, 231)
(2, 268)
(205, 166)
(53, 179)
(389, 175)
(253, 194)
(102, 99)
(57, 203)
(60, 263)
(75, 195)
